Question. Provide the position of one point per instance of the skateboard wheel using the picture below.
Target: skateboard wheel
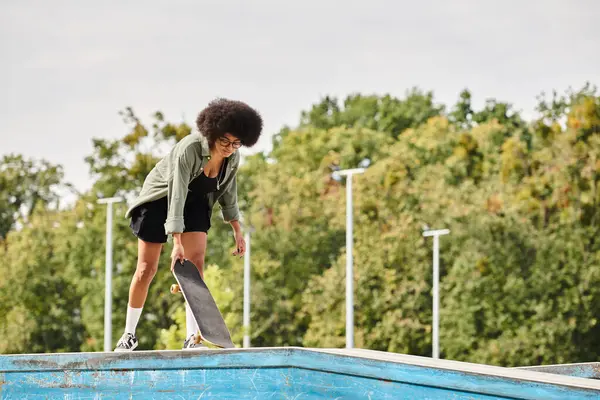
(175, 288)
(197, 339)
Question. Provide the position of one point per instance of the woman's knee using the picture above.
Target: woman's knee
(147, 265)
(145, 271)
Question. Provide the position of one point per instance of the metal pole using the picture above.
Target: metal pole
(247, 293)
(349, 269)
(436, 296)
(108, 282)
(436, 290)
(108, 272)
(349, 257)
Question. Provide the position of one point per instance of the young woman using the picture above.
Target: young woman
(177, 199)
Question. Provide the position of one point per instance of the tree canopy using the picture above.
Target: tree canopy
(520, 271)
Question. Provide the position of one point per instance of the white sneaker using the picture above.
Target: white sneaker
(128, 342)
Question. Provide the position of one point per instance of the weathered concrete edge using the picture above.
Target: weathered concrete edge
(296, 357)
(589, 370)
(521, 373)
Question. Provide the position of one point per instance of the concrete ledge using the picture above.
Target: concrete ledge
(289, 372)
(589, 370)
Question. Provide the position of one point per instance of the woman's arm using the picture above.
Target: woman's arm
(229, 204)
(231, 214)
(240, 242)
(237, 228)
(177, 193)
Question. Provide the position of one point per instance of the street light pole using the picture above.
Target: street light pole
(436, 278)
(349, 258)
(108, 272)
(246, 323)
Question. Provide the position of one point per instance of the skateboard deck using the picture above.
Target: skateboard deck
(195, 292)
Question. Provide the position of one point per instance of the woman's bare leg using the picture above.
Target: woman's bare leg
(147, 265)
(194, 245)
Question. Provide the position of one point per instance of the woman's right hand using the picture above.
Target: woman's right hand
(177, 254)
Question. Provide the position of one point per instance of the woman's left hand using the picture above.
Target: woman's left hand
(240, 244)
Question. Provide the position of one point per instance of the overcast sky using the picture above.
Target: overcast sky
(68, 67)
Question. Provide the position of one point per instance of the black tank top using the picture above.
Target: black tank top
(202, 184)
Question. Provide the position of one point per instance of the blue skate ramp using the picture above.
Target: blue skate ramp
(274, 373)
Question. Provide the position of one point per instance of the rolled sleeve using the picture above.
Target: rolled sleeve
(177, 194)
(174, 225)
(229, 204)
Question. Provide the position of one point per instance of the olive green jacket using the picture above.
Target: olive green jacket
(172, 174)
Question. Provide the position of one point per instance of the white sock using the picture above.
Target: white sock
(190, 322)
(133, 316)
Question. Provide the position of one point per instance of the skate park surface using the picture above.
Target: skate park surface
(282, 373)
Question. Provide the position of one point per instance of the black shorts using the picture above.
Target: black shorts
(148, 219)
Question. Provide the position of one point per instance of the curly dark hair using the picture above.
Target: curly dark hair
(237, 118)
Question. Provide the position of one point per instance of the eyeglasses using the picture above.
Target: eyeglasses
(226, 142)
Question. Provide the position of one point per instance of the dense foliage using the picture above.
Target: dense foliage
(520, 271)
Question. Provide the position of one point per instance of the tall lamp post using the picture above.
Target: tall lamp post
(349, 173)
(436, 291)
(246, 323)
(108, 271)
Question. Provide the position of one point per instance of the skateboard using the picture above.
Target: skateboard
(208, 317)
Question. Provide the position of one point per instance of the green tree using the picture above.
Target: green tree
(462, 112)
(378, 113)
(37, 297)
(24, 185)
